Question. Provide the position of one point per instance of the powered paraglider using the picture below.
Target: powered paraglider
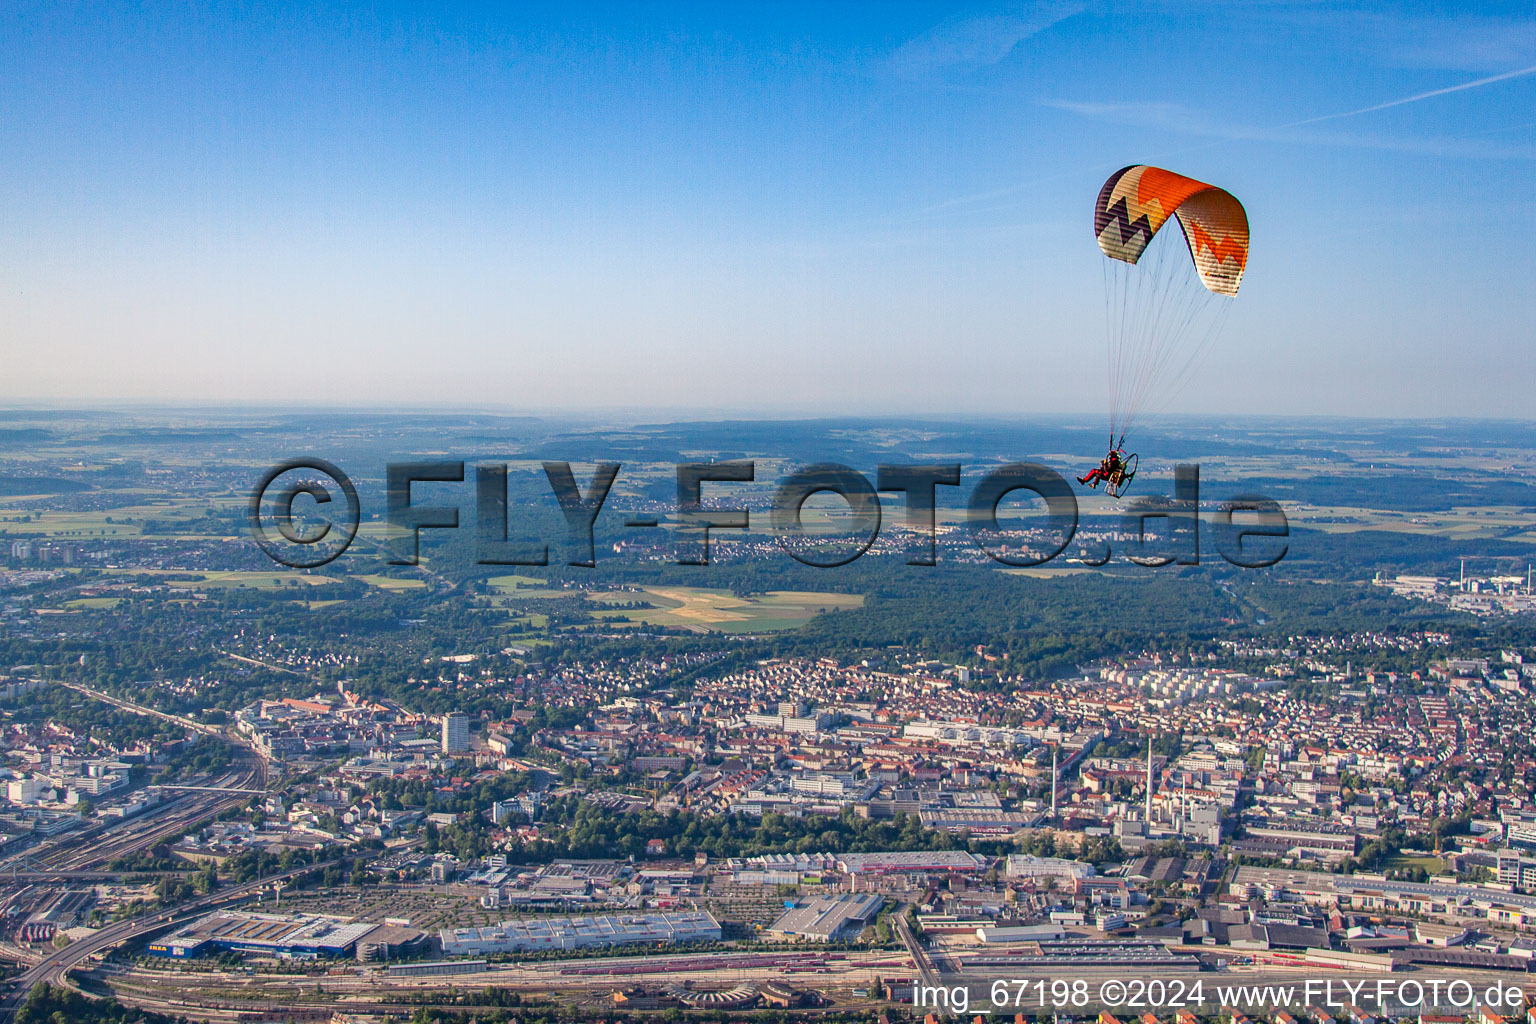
(1161, 311)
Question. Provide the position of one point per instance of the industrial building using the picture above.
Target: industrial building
(912, 862)
(1023, 865)
(828, 918)
(542, 933)
(1316, 840)
(980, 821)
(281, 935)
(436, 968)
(1370, 893)
(1085, 957)
(992, 934)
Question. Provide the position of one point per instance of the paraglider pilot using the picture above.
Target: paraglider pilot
(1109, 470)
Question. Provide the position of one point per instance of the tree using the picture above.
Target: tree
(206, 878)
(432, 838)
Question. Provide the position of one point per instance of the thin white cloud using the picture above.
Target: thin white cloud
(1459, 42)
(1467, 44)
(1175, 117)
(1149, 114)
(978, 41)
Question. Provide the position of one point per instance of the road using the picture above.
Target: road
(55, 965)
(259, 663)
(919, 956)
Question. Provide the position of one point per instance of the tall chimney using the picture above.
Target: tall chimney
(1149, 780)
(1055, 781)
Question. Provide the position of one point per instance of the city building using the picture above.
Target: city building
(455, 733)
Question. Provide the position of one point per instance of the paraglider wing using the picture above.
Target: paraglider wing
(1135, 202)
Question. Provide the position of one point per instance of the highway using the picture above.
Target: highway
(55, 965)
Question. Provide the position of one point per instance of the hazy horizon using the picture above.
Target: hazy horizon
(670, 416)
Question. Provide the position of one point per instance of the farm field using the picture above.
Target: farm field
(391, 582)
(1458, 523)
(120, 522)
(187, 579)
(706, 610)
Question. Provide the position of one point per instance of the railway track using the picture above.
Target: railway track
(102, 843)
(54, 968)
(919, 957)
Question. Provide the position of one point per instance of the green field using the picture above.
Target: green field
(264, 580)
(125, 521)
(64, 525)
(1046, 572)
(529, 588)
(1458, 523)
(391, 582)
(228, 579)
(515, 582)
(704, 610)
(256, 580)
(93, 602)
(1401, 861)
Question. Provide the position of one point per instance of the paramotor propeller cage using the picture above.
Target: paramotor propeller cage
(1120, 481)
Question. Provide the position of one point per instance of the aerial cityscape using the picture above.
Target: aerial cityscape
(373, 791)
(538, 514)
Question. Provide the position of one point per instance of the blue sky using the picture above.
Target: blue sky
(813, 209)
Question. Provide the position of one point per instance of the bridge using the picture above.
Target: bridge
(915, 950)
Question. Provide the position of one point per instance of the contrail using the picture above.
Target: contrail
(1000, 192)
(1416, 98)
